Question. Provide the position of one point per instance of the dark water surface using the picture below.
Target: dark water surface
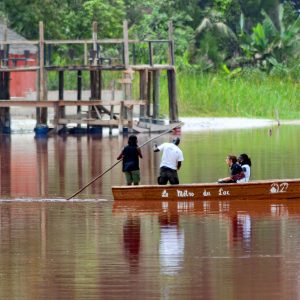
(89, 248)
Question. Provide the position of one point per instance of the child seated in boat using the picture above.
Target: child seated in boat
(245, 161)
(236, 171)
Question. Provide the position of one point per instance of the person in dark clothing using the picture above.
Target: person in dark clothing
(130, 155)
(236, 171)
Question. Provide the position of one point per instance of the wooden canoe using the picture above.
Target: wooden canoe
(258, 190)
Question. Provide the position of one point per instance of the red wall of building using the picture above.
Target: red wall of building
(22, 82)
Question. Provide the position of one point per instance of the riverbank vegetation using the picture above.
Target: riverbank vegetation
(233, 57)
(253, 94)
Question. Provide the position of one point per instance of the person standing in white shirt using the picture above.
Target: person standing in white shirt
(171, 161)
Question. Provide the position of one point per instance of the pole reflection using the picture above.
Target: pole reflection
(42, 166)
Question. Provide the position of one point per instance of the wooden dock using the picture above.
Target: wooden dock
(113, 112)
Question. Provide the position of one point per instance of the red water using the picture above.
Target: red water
(52, 248)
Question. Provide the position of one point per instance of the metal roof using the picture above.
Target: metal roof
(13, 36)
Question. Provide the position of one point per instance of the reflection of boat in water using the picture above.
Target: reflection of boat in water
(256, 190)
(272, 208)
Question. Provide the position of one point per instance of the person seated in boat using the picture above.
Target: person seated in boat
(130, 155)
(236, 171)
(245, 161)
(171, 161)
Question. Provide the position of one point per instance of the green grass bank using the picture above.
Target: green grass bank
(252, 94)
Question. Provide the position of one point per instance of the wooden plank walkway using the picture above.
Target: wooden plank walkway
(54, 103)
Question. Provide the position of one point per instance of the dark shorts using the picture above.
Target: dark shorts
(167, 174)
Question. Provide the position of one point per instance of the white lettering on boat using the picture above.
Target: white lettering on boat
(279, 188)
(165, 194)
(206, 193)
(223, 192)
(184, 194)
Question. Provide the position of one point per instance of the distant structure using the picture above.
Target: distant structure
(21, 56)
(26, 65)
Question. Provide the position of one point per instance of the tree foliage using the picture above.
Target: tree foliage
(207, 33)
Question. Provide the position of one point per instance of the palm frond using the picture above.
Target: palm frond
(204, 25)
(225, 30)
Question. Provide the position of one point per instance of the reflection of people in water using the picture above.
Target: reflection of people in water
(241, 228)
(171, 246)
(131, 238)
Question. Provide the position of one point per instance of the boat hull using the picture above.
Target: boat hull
(258, 190)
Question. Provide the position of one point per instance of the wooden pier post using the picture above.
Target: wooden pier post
(155, 94)
(113, 96)
(6, 165)
(173, 108)
(95, 76)
(62, 109)
(127, 89)
(120, 126)
(4, 94)
(171, 44)
(126, 44)
(127, 114)
(41, 113)
(143, 90)
(149, 82)
(79, 93)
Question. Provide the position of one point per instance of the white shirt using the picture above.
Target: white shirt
(247, 172)
(171, 155)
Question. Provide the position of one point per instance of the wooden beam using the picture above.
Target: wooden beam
(94, 36)
(112, 116)
(116, 123)
(53, 103)
(41, 63)
(150, 48)
(4, 111)
(143, 89)
(171, 44)
(41, 113)
(86, 68)
(155, 93)
(79, 90)
(61, 111)
(149, 83)
(126, 47)
(18, 69)
(88, 41)
(27, 103)
(19, 42)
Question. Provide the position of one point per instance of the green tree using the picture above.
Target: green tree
(64, 18)
(215, 38)
(153, 24)
(252, 11)
(270, 46)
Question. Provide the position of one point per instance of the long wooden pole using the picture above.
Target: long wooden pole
(111, 167)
